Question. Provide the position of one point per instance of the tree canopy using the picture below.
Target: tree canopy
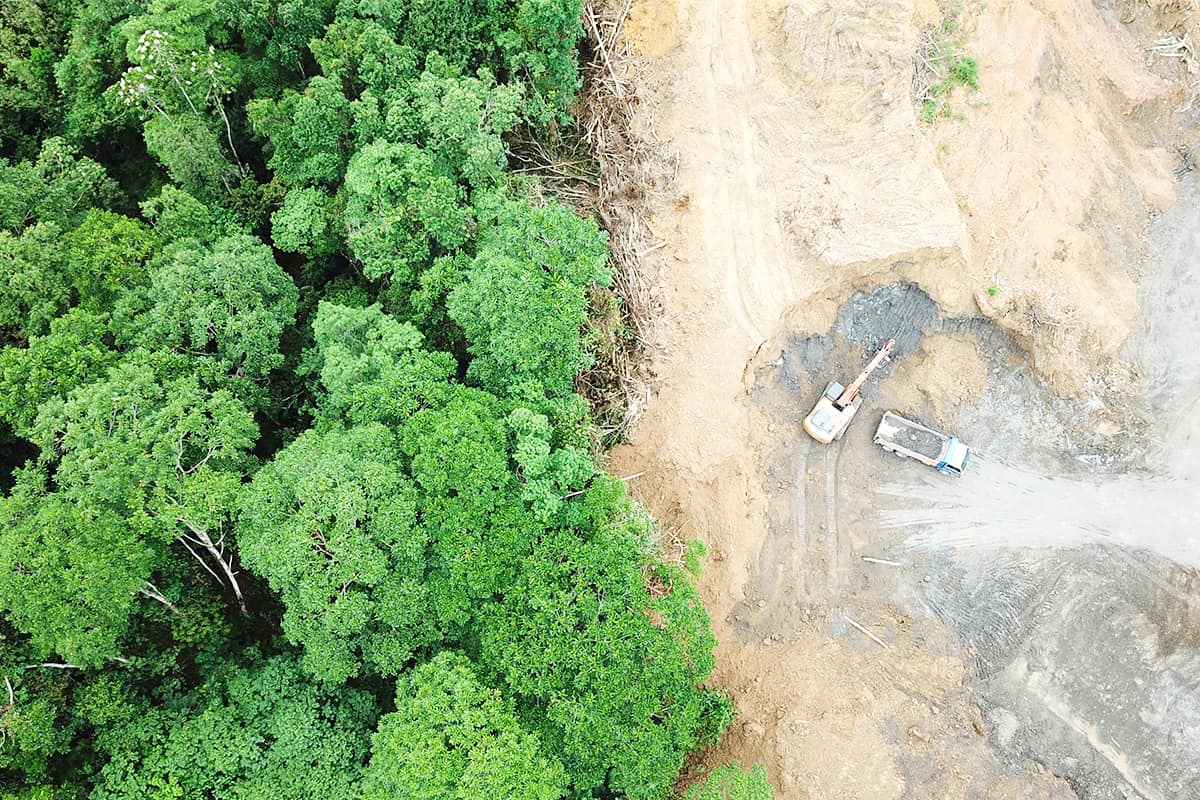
(298, 498)
(453, 738)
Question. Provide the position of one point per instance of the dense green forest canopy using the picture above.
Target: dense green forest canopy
(298, 500)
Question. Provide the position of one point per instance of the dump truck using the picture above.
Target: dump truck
(837, 405)
(909, 439)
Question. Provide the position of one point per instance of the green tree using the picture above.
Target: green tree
(94, 58)
(277, 35)
(542, 48)
(107, 255)
(308, 133)
(189, 149)
(460, 445)
(731, 782)
(261, 732)
(463, 120)
(476, 514)
(363, 54)
(549, 474)
(452, 738)
(31, 40)
(70, 574)
(425, 523)
(143, 461)
(308, 222)
(176, 215)
(470, 501)
(609, 672)
(402, 208)
(332, 525)
(34, 288)
(226, 306)
(146, 438)
(373, 368)
(185, 25)
(36, 725)
(182, 95)
(523, 302)
(465, 33)
(71, 354)
(58, 187)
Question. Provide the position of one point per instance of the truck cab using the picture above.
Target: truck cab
(954, 462)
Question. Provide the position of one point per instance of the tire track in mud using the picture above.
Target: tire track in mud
(813, 559)
(822, 561)
(802, 561)
(840, 547)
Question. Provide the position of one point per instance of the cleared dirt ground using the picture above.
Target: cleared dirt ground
(813, 216)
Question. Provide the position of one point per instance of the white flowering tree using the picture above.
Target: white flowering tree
(184, 90)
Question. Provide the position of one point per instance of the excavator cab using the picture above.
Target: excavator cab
(838, 404)
(827, 421)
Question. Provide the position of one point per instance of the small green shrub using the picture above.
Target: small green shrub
(731, 782)
(965, 71)
(944, 66)
(717, 713)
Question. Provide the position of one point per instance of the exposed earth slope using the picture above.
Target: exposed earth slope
(1008, 239)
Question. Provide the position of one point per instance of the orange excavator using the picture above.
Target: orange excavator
(832, 414)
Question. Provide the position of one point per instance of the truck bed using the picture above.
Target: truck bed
(915, 438)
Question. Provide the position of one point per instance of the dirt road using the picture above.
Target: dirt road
(804, 175)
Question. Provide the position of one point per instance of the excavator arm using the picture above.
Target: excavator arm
(851, 391)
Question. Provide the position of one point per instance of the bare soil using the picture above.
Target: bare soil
(811, 217)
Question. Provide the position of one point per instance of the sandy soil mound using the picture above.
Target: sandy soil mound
(947, 371)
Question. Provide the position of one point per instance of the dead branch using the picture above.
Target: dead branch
(153, 592)
(200, 537)
(53, 665)
(184, 541)
(870, 635)
(602, 49)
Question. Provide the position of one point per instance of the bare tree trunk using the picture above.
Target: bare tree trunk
(53, 665)
(201, 538)
(152, 591)
(229, 136)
